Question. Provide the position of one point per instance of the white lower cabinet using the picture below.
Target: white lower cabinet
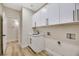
(63, 49)
(37, 44)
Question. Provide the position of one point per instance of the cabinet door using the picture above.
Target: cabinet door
(53, 13)
(38, 20)
(77, 12)
(34, 20)
(41, 17)
(66, 12)
(37, 44)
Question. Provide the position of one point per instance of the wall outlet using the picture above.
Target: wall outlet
(70, 36)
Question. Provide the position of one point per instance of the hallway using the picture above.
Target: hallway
(14, 49)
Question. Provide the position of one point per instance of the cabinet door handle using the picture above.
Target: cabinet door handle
(73, 15)
(30, 41)
(77, 14)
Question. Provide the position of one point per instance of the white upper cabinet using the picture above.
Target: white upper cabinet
(41, 21)
(57, 13)
(53, 13)
(77, 12)
(67, 12)
(34, 20)
(40, 17)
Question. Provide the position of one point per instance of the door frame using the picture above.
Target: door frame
(1, 35)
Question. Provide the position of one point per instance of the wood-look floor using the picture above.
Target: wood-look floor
(14, 49)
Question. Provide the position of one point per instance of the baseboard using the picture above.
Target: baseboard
(23, 46)
(31, 49)
(52, 53)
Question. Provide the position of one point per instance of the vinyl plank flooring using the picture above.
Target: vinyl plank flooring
(14, 49)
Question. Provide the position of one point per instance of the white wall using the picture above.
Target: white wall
(58, 33)
(26, 25)
(0, 9)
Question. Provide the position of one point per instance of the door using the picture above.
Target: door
(1, 37)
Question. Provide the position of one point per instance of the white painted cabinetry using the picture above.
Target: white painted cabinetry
(37, 43)
(34, 20)
(63, 49)
(67, 12)
(53, 13)
(40, 18)
(61, 13)
(57, 13)
(77, 12)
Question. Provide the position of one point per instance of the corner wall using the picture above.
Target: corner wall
(26, 25)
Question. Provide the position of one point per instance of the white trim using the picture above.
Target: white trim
(52, 53)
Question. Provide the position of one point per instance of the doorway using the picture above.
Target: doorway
(12, 29)
(1, 37)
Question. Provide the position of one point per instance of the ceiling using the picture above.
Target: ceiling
(18, 6)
